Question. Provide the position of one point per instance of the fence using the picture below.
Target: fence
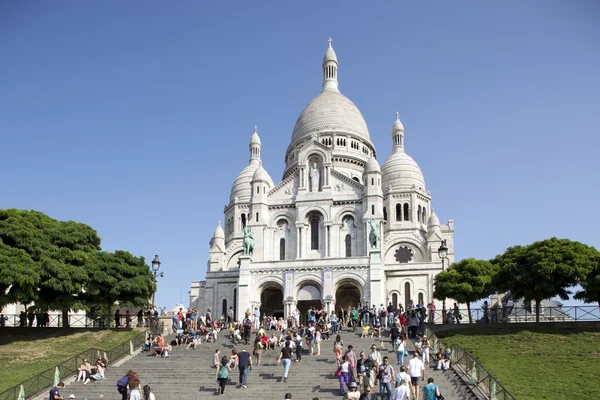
(45, 380)
(75, 321)
(521, 314)
(470, 369)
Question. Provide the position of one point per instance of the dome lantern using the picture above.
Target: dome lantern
(398, 134)
(255, 145)
(330, 66)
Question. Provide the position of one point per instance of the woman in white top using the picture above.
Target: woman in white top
(134, 389)
(400, 346)
(148, 395)
(318, 341)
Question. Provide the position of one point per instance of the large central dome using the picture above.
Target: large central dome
(329, 111)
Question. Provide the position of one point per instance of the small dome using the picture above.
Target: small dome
(241, 186)
(329, 111)
(402, 172)
(372, 165)
(255, 139)
(262, 175)
(330, 55)
(433, 220)
(219, 234)
(397, 124)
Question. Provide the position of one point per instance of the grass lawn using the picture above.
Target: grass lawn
(547, 364)
(27, 352)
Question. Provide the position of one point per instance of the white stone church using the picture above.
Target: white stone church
(311, 231)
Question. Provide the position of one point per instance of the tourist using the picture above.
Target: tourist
(160, 345)
(344, 368)
(298, 345)
(368, 395)
(84, 371)
(486, 312)
(456, 313)
(403, 378)
(285, 358)
(247, 324)
(123, 383)
(400, 347)
(431, 307)
(351, 357)
(363, 371)
(288, 396)
(134, 389)
(147, 393)
(244, 364)
(334, 323)
(353, 393)
(215, 360)
(430, 391)
(385, 376)
(365, 331)
(401, 392)
(223, 374)
(338, 346)
(375, 356)
(55, 392)
(258, 349)
(318, 341)
(416, 370)
(394, 333)
(425, 351)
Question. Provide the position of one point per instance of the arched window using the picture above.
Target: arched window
(348, 246)
(314, 233)
(384, 214)
(406, 294)
(406, 212)
(419, 214)
(421, 298)
(258, 190)
(356, 179)
(372, 181)
(395, 300)
(398, 212)
(243, 220)
(224, 312)
(424, 219)
(282, 249)
(372, 210)
(256, 217)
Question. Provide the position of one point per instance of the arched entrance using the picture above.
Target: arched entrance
(308, 296)
(347, 294)
(271, 302)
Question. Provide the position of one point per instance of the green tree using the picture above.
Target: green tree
(53, 253)
(591, 285)
(118, 276)
(466, 281)
(543, 269)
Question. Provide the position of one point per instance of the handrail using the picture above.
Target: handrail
(45, 380)
(515, 314)
(470, 369)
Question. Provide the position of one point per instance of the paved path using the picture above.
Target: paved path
(187, 375)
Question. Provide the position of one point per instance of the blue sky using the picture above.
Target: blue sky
(134, 117)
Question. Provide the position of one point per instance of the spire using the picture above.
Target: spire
(330, 66)
(255, 145)
(398, 134)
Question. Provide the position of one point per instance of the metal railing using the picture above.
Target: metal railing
(46, 379)
(519, 314)
(76, 321)
(470, 370)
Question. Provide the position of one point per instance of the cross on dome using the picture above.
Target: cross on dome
(397, 116)
(330, 40)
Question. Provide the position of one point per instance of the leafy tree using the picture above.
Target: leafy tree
(543, 269)
(466, 281)
(118, 276)
(591, 285)
(43, 259)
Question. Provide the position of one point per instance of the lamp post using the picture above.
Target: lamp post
(155, 268)
(443, 253)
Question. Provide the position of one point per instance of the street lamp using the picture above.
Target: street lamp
(155, 268)
(443, 253)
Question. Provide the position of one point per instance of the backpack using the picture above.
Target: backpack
(122, 384)
(247, 324)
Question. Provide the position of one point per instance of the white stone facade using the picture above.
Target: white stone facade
(312, 229)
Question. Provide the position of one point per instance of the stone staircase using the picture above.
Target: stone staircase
(187, 374)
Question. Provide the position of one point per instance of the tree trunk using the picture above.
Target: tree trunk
(469, 311)
(537, 312)
(65, 318)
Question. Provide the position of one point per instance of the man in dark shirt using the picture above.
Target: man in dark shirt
(55, 392)
(244, 363)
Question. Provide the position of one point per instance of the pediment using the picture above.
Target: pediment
(340, 183)
(286, 189)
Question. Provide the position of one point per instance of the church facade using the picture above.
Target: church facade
(337, 230)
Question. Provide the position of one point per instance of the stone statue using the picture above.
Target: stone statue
(374, 234)
(163, 311)
(248, 241)
(314, 178)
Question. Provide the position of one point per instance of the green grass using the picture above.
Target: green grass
(27, 352)
(547, 364)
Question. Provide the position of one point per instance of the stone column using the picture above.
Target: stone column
(243, 299)
(377, 295)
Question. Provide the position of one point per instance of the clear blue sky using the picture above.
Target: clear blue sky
(134, 117)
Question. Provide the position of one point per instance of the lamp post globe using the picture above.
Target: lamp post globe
(155, 264)
(155, 268)
(443, 253)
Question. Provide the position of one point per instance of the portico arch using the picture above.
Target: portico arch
(349, 292)
(271, 300)
(309, 295)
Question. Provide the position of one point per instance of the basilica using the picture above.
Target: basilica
(338, 230)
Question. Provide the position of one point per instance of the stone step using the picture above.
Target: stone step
(187, 374)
